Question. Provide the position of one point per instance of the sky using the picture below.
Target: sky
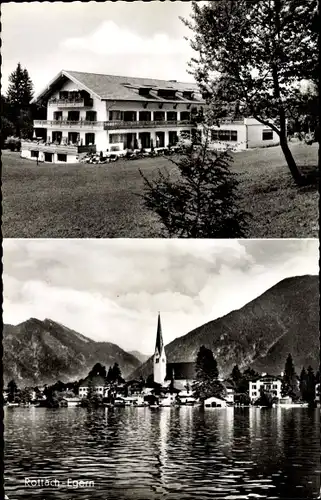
(112, 290)
(122, 38)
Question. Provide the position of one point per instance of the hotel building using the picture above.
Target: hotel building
(93, 112)
(88, 112)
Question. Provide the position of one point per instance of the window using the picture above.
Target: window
(254, 386)
(144, 91)
(48, 157)
(167, 94)
(275, 386)
(254, 393)
(129, 116)
(116, 115)
(185, 116)
(267, 135)
(171, 116)
(145, 116)
(159, 116)
(89, 139)
(34, 154)
(91, 116)
(116, 138)
(57, 115)
(61, 157)
(224, 135)
(188, 95)
(73, 116)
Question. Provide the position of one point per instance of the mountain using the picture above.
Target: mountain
(259, 335)
(42, 352)
(142, 357)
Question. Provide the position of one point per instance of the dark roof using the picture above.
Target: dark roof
(159, 337)
(97, 381)
(180, 371)
(112, 87)
(123, 87)
(263, 377)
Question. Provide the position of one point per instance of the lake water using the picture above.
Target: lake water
(168, 453)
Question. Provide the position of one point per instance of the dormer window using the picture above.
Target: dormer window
(188, 95)
(167, 93)
(144, 91)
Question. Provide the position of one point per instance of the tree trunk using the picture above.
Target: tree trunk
(296, 174)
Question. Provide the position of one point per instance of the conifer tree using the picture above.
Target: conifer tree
(207, 383)
(19, 95)
(202, 200)
(236, 375)
(303, 384)
(289, 381)
(310, 392)
(20, 90)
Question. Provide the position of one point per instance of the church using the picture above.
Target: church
(182, 373)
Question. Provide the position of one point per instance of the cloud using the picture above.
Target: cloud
(111, 39)
(111, 290)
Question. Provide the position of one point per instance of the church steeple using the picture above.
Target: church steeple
(159, 356)
(159, 337)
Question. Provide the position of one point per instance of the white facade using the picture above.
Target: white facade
(78, 116)
(270, 385)
(159, 360)
(214, 402)
(160, 367)
(229, 398)
(100, 391)
(242, 134)
(117, 113)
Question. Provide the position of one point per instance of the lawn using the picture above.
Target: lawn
(88, 201)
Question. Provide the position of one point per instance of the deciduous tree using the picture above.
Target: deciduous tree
(251, 57)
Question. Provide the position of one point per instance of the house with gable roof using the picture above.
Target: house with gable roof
(95, 112)
(89, 112)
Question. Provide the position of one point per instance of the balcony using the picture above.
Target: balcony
(56, 148)
(66, 124)
(119, 124)
(71, 103)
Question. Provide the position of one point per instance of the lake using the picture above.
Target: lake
(167, 453)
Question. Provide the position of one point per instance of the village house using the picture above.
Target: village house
(97, 383)
(215, 402)
(270, 384)
(87, 112)
(230, 393)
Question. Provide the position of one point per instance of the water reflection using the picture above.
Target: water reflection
(169, 453)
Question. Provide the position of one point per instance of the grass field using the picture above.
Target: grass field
(89, 201)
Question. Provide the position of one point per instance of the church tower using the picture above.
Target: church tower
(159, 356)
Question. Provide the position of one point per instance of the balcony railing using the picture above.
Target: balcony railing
(120, 124)
(56, 148)
(68, 124)
(71, 103)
